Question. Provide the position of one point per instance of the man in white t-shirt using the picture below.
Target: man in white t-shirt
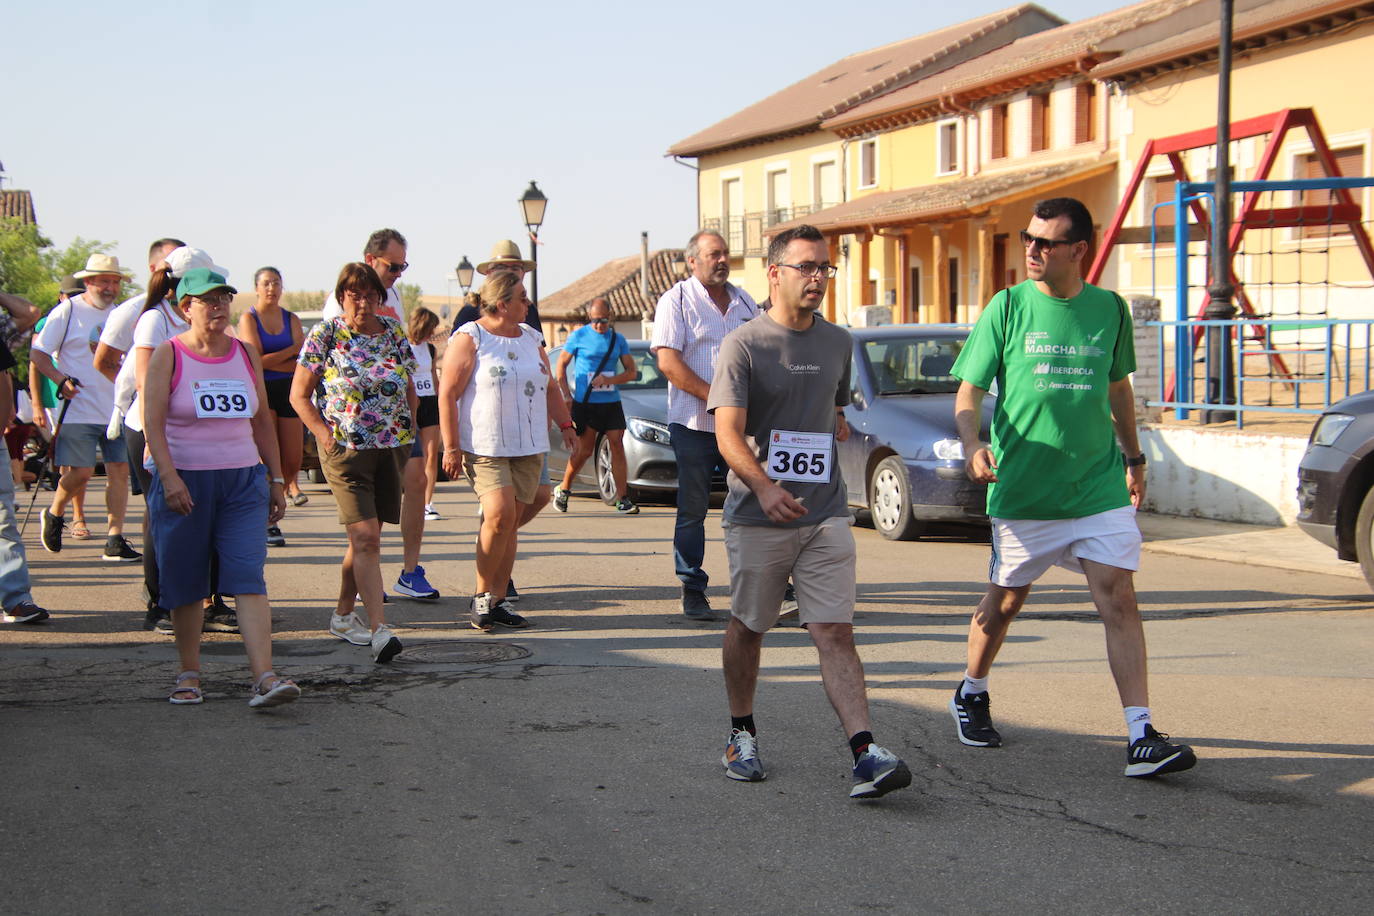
(63, 351)
(385, 253)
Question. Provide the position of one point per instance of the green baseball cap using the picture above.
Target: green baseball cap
(201, 280)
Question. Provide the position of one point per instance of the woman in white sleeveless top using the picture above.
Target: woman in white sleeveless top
(495, 403)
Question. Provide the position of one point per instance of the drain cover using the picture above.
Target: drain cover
(462, 652)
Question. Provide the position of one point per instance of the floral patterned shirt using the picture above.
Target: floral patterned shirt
(364, 380)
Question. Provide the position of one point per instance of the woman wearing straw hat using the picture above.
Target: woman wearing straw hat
(365, 429)
(209, 435)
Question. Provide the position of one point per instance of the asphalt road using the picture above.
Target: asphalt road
(573, 768)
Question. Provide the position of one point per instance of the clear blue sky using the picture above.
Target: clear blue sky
(284, 132)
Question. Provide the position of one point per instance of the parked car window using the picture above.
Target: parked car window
(913, 365)
(649, 374)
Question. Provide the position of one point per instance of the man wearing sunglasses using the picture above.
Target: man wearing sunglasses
(385, 253)
(601, 360)
(1062, 353)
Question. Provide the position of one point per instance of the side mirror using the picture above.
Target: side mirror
(856, 397)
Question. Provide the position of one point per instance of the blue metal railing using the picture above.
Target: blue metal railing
(1342, 347)
(1185, 191)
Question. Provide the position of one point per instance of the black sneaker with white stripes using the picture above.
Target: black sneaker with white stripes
(1153, 755)
(973, 715)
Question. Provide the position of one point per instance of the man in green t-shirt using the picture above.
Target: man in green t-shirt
(1061, 353)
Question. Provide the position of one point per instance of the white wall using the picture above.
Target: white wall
(1223, 474)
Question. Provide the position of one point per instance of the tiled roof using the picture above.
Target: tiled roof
(17, 205)
(618, 282)
(1036, 58)
(946, 200)
(854, 79)
(1255, 23)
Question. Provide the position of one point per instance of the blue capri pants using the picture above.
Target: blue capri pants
(228, 518)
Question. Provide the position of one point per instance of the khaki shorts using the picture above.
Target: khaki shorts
(366, 482)
(521, 472)
(820, 560)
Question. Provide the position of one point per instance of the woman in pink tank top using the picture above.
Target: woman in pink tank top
(209, 434)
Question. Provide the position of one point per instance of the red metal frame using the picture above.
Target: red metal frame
(1276, 125)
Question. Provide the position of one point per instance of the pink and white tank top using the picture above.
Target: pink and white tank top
(210, 411)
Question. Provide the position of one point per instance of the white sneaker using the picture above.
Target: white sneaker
(431, 513)
(350, 629)
(385, 645)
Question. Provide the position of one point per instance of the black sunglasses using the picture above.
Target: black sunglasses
(598, 321)
(1032, 241)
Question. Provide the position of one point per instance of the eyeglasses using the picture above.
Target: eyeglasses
(361, 298)
(598, 321)
(215, 300)
(1034, 241)
(814, 270)
(395, 268)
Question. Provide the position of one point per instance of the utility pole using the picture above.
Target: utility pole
(1221, 368)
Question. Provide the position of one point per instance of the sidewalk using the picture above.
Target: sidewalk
(1255, 545)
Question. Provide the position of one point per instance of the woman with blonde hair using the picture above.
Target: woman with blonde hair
(495, 401)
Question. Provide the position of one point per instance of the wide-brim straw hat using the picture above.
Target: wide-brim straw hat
(504, 253)
(99, 265)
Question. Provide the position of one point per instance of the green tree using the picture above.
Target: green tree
(410, 297)
(299, 300)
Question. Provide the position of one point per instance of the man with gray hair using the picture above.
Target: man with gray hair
(690, 321)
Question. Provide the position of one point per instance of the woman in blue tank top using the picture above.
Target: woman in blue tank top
(277, 335)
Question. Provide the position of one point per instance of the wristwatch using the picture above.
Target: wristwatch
(1137, 462)
(280, 480)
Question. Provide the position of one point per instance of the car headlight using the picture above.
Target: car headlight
(949, 450)
(649, 431)
(1329, 428)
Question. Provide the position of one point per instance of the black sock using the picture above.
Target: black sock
(858, 743)
(744, 724)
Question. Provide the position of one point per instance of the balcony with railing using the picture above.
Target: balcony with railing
(744, 234)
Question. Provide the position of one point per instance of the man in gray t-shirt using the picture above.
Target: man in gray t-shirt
(778, 395)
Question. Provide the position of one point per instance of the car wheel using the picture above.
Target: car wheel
(605, 480)
(1364, 537)
(889, 501)
(315, 475)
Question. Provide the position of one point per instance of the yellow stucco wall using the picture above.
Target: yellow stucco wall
(1305, 74)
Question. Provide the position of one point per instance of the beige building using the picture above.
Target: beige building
(939, 159)
(775, 160)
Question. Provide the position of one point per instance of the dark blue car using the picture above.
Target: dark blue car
(903, 462)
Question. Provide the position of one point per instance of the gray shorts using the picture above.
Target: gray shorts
(76, 445)
(820, 559)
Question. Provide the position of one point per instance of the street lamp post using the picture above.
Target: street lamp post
(464, 272)
(532, 204)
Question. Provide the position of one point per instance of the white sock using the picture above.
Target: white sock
(1137, 717)
(973, 685)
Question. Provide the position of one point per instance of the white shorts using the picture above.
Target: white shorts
(1023, 549)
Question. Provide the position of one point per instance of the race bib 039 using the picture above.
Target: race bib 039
(221, 399)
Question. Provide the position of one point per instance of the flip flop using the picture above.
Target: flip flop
(196, 696)
(300, 499)
(79, 531)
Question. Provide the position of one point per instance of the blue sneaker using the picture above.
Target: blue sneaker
(413, 584)
(741, 758)
(878, 772)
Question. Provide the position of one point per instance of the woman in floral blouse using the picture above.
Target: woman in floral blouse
(363, 425)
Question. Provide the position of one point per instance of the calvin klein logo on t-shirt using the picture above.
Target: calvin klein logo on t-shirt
(803, 368)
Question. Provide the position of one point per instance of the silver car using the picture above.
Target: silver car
(650, 466)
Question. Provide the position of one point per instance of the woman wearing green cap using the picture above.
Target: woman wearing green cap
(209, 434)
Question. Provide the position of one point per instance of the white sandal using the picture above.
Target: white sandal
(196, 696)
(283, 691)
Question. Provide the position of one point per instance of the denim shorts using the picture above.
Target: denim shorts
(76, 444)
(228, 519)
